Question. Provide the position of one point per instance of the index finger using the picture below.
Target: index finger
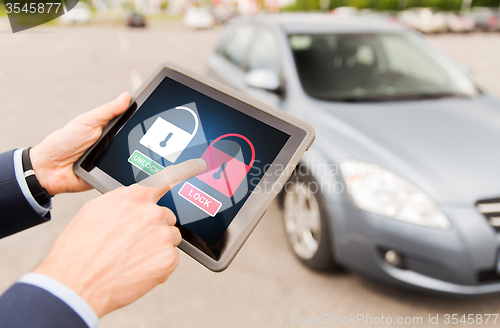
(161, 182)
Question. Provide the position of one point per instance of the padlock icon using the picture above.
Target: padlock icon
(167, 139)
(224, 172)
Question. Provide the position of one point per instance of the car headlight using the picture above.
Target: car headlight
(383, 192)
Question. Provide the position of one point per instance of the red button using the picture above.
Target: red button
(200, 199)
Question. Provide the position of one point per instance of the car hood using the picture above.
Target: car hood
(448, 147)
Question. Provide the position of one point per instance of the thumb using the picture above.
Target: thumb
(161, 182)
(105, 113)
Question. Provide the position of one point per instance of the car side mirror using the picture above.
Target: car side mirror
(263, 79)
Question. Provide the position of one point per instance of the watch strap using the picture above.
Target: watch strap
(39, 193)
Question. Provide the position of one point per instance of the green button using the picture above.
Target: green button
(144, 163)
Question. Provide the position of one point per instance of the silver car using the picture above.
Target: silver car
(403, 181)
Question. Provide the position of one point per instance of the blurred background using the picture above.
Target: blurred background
(410, 241)
(430, 16)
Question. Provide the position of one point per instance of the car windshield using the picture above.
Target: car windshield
(376, 67)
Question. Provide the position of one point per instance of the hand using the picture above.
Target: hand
(120, 245)
(53, 158)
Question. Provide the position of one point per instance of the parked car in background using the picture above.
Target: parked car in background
(79, 14)
(377, 14)
(425, 20)
(223, 13)
(198, 18)
(459, 24)
(402, 182)
(345, 11)
(485, 19)
(135, 19)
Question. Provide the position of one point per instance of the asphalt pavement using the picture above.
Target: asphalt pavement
(49, 75)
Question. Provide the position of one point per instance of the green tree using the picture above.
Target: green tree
(486, 3)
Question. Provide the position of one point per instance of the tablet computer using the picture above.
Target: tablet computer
(250, 149)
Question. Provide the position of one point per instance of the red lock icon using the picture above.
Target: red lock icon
(224, 172)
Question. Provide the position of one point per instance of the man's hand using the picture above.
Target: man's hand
(120, 245)
(54, 157)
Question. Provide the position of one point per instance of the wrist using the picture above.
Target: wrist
(84, 288)
(40, 168)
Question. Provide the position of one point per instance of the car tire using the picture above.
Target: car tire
(306, 222)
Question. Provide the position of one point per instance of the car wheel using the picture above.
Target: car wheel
(306, 223)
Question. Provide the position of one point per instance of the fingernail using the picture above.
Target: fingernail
(122, 96)
(202, 163)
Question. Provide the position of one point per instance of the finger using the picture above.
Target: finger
(165, 216)
(176, 236)
(105, 113)
(172, 175)
(172, 265)
(170, 218)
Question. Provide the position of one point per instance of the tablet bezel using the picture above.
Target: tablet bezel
(218, 257)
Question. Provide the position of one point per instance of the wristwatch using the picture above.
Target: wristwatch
(38, 192)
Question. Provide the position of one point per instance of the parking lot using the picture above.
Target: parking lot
(51, 74)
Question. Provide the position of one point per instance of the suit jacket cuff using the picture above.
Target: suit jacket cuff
(18, 169)
(65, 294)
(29, 306)
(16, 213)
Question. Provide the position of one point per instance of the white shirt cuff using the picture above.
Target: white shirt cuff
(64, 293)
(18, 169)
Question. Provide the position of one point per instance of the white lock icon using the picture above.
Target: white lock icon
(168, 140)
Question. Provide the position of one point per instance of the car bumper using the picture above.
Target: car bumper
(443, 261)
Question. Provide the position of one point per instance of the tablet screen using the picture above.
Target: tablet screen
(176, 123)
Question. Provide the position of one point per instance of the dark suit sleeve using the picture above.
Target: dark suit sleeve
(16, 214)
(27, 306)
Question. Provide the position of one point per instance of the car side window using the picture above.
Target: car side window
(237, 43)
(264, 52)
